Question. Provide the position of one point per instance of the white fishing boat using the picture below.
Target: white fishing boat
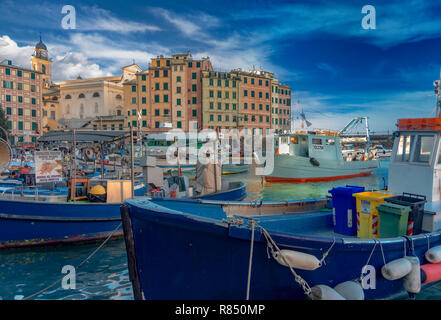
(315, 156)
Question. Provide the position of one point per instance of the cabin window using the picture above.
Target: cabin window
(404, 147)
(423, 148)
(284, 140)
(330, 142)
(295, 140)
(317, 141)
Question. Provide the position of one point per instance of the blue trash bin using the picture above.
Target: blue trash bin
(345, 209)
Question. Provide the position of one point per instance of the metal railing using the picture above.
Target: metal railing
(21, 189)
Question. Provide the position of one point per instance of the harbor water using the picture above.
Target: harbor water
(24, 272)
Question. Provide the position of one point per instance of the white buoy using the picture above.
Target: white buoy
(298, 260)
(350, 290)
(412, 282)
(396, 269)
(433, 255)
(322, 292)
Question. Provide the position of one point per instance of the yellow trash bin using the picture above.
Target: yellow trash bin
(368, 219)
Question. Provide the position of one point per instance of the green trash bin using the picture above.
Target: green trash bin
(393, 220)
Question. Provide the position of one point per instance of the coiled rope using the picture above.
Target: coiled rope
(79, 266)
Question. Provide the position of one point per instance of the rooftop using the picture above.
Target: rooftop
(8, 63)
(83, 136)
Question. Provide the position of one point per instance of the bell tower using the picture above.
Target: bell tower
(40, 62)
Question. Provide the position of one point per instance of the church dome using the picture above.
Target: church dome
(40, 45)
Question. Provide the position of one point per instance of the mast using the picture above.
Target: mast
(73, 181)
(132, 172)
(437, 84)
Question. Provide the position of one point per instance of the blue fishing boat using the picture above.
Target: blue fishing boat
(84, 210)
(45, 217)
(188, 251)
(226, 250)
(36, 223)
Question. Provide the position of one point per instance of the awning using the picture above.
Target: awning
(84, 136)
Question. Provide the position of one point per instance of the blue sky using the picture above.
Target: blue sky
(336, 69)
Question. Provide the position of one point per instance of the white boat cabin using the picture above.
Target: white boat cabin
(314, 145)
(415, 165)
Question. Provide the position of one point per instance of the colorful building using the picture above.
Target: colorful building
(280, 107)
(221, 101)
(255, 98)
(167, 95)
(21, 99)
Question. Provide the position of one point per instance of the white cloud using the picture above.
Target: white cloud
(72, 65)
(97, 19)
(20, 56)
(65, 65)
(192, 25)
(99, 47)
(47, 15)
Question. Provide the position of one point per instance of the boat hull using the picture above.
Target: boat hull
(37, 223)
(295, 169)
(181, 256)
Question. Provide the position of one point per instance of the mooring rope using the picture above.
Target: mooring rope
(251, 258)
(272, 245)
(368, 260)
(79, 266)
(382, 252)
(322, 260)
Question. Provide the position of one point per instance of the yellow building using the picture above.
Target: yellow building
(137, 102)
(40, 62)
(51, 108)
(167, 95)
(221, 101)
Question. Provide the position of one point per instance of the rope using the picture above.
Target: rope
(251, 259)
(272, 245)
(322, 260)
(369, 259)
(382, 252)
(79, 266)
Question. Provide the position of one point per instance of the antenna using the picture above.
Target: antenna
(437, 85)
(303, 117)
